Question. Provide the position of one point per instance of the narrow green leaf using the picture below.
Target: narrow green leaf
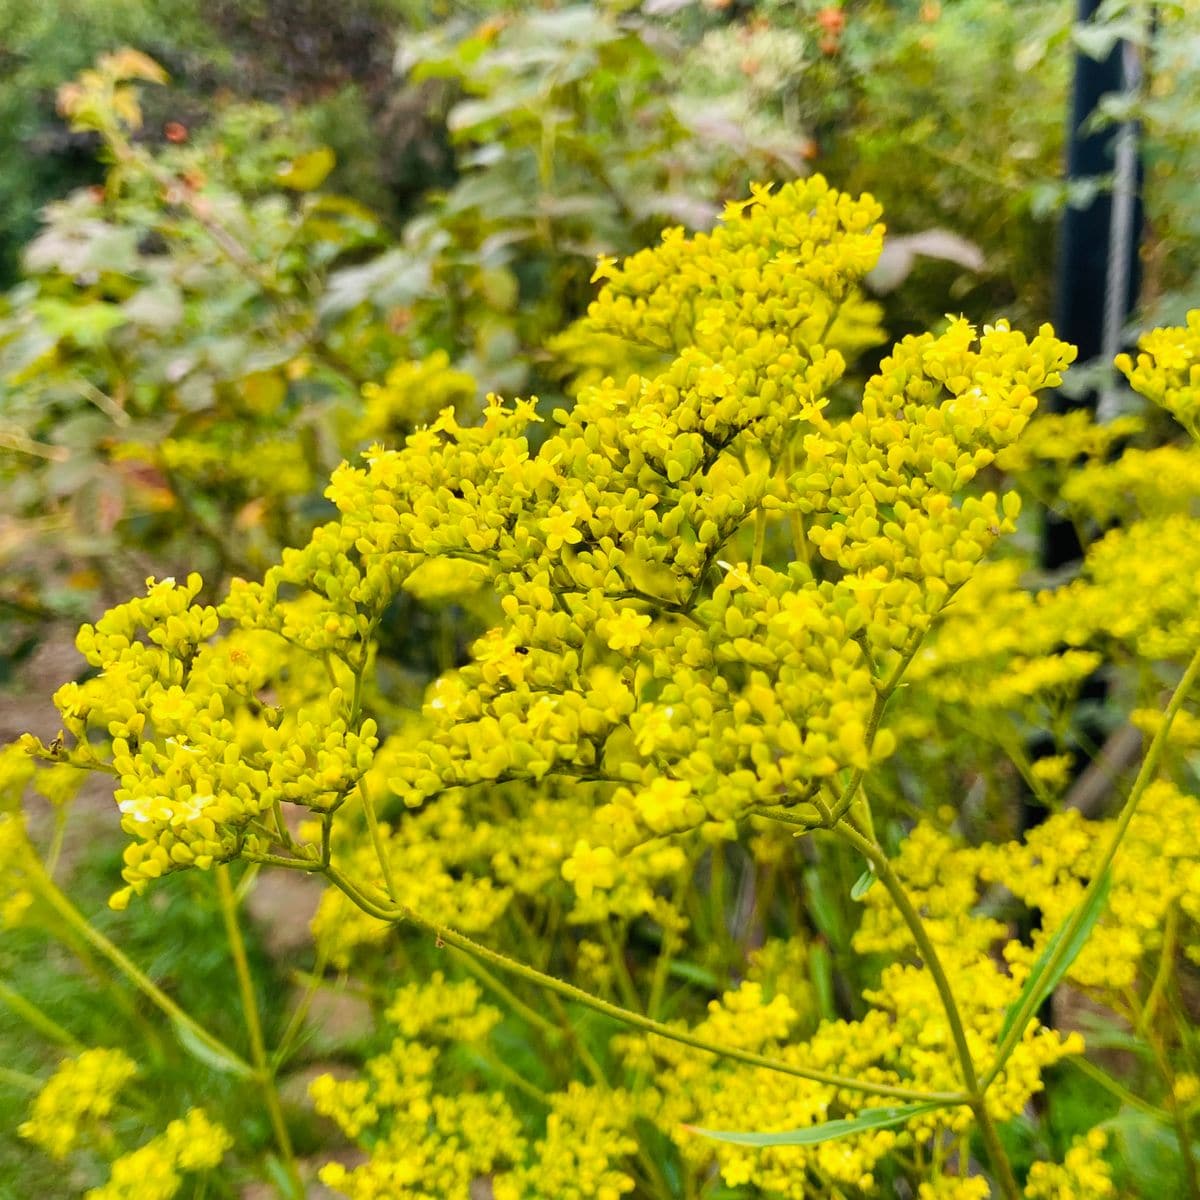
(820, 971)
(209, 1055)
(281, 1179)
(1039, 984)
(862, 885)
(827, 1131)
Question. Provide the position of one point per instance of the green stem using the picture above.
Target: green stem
(383, 912)
(385, 863)
(77, 922)
(56, 842)
(1166, 962)
(300, 1014)
(19, 1080)
(616, 952)
(1122, 1093)
(884, 872)
(760, 536)
(35, 1018)
(258, 1048)
(1145, 775)
(501, 989)
(884, 692)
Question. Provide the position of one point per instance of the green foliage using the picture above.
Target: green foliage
(169, 380)
(550, 697)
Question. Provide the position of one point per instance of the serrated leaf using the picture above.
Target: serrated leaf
(210, 1055)
(1039, 987)
(827, 1131)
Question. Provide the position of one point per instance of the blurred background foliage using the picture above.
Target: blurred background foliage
(412, 196)
(324, 223)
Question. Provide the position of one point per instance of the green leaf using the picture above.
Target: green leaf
(1040, 987)
(281, 1179)
(820, 972)
(307, 171)
(827, 1131)
(862, 885)
(210, 1056)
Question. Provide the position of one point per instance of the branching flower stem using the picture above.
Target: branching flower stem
(884, 872)
(379, 908)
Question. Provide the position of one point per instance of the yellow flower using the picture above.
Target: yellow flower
(605, 268)
(590, 868)
(626, 630)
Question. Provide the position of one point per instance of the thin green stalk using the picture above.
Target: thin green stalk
(56, 841)
(385, 863)
(34, 1017)
(382, 911)
(1145, 775)
(884, 692)
(1166, 961)
(19, 1080)
(1178, 1120)
(76, 921)
(299, 1015)
(1122, 1093)
(760, 536)
(585, 1056)
(881, 864)
(616, 952)
(884, 872)
(491, 1063)
(506, 994)
(258, 1048)
(667, 948)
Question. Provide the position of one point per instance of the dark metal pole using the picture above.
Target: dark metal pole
(1085, 271)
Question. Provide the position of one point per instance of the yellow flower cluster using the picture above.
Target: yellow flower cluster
(1055, 442)
(199, 756)
(691, 1088)
(431, 1142)
(1141, 483)
(880, 487)
(1167, 370)
(1140, 588)
(587, 1136)
(76, 1099)
(412, 395)
(16, 856)
(643, 645)
(155, 1171)
(1082, 1175)
(1158, 868)
(997, 645)
(955, 1187)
